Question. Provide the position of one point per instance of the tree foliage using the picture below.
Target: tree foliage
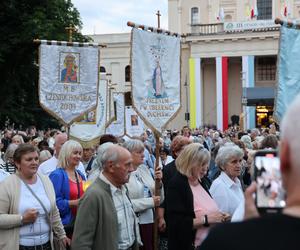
(22, 21)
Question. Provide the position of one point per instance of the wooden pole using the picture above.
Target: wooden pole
(157, 190)
(140, 26)
(68, 130)
(38, 42)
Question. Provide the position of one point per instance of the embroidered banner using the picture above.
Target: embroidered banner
(134, 124)
(155, 77)
(288, 74)
(117, 127)
(68, 80)
(91, 125)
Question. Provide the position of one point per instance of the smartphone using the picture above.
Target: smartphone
(270, 194)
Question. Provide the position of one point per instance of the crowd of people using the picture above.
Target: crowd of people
(56, 193)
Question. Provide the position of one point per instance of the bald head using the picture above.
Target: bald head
(117, 164)
(60, 139)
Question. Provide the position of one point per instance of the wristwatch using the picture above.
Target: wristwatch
(205, 221)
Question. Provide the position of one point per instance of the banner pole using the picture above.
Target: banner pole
(157, 189)
(68, 131)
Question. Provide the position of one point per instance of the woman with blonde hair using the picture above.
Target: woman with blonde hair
(68, 183)
(191, 209)
(17, 139)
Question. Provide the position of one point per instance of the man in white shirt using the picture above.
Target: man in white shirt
(50, 165)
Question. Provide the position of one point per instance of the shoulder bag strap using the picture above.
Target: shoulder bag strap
(78, 185)
(37, 198)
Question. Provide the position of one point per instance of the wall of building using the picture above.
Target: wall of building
(209, 10)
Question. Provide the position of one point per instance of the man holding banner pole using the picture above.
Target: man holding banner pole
(155, 84)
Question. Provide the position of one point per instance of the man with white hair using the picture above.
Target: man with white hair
(276, 231)
(105, 219)
(47, 167)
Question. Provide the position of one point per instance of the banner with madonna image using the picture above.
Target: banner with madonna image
(117, 126)
(91, 125)
(68, 79)
(155, 61)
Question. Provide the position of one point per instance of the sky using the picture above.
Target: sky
(111, 16)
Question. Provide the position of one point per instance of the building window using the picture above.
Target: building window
(264, 9)
(127, 73)
(102, 69)
(194, 15)
(128, 100)
(266, 69)
(228, 18)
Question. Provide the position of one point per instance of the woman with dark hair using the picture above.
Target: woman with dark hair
(165, 157)
(28, 212)
(269, 142)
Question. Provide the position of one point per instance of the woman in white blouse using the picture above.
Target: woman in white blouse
(141, 192)
(28, 212)
(226, 190)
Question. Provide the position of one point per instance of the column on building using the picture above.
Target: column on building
(196, 95)
(222, 92)
(248, 81)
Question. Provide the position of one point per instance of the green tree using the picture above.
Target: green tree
(21, 22)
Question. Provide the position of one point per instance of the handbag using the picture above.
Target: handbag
(69, 228)
(57, 243)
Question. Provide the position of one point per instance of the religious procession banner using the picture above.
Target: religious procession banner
(134, 124)
(117, 127)
(288, 74)
(68, 79)
(155, 59)
(91, 125)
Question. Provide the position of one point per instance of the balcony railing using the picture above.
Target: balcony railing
(207, 29)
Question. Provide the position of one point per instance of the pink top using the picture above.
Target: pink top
(203, 204)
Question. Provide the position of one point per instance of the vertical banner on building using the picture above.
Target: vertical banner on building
(248, 81)
(288, 73)
(117, 126)
(222, 92)
(91, 125)
(68, 79)
(155, 77)
(134, 124)
(196, 119)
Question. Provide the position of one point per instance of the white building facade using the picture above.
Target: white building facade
(228, 58)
